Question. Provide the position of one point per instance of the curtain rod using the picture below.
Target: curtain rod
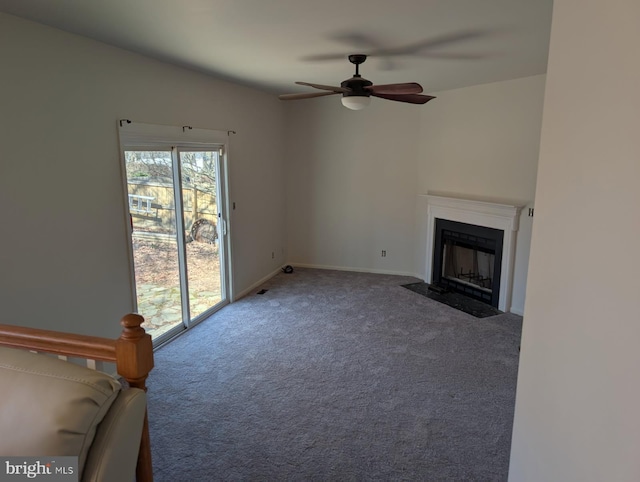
(184, 128)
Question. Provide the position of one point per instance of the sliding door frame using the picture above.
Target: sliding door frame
(151, 137)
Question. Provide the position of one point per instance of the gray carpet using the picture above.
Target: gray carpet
(336, 376)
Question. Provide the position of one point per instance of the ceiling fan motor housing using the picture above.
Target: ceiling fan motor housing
(356, 86)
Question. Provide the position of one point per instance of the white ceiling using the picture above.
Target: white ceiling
(269, 44)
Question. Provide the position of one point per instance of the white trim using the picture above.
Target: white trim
(255, 285)
(481, 213)
(355, 270)
(517, 311)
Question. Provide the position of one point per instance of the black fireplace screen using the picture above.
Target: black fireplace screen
(467, 259)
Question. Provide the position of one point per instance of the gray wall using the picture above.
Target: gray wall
(63, 250)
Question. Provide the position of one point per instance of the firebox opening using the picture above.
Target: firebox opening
(467, 260)
(468, 265)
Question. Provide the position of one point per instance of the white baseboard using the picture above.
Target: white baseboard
(256, 284)
(357, 270)
(516, 310)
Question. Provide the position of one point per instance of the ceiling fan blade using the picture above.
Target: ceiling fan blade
(357, 40)
(322, 57)
(454, 56)
(305, 95)
(439, 41)
(337, 90)
(375, 48)
(408, 98)
(406, 88)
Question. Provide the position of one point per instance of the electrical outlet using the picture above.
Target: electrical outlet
(530, 212)
(384, 253)
(273, 254)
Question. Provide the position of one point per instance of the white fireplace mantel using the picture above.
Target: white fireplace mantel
(481, 213)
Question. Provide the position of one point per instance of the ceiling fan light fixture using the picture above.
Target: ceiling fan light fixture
(356, 102)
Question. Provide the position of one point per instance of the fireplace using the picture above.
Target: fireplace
(470, 247)
(467, 259)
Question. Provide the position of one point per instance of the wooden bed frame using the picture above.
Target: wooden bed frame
(132, 353)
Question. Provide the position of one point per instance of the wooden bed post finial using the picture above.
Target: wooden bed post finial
(135, 351)
(131, 329)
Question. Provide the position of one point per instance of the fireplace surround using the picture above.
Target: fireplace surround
(492, 223)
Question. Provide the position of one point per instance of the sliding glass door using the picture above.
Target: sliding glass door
(176, 206)
(204, 227)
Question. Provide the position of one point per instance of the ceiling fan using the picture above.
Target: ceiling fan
(357, 91)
